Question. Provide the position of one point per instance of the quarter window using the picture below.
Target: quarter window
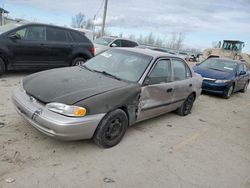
(160, 73)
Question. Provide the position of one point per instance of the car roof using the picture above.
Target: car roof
(49, 25)
(153, 53)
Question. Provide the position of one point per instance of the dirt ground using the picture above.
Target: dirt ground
(208, 148)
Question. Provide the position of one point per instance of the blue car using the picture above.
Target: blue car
(223, 76)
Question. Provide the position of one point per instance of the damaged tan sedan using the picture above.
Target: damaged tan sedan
(103, 97)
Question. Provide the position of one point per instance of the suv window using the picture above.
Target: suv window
(55, 34)
(241, 68)
(161, 72)
(32, 33)
(181, 70)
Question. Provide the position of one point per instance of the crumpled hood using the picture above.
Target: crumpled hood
(68, 85)
(214, 74)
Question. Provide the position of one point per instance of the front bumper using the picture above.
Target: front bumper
(53, 124)
(213, 87)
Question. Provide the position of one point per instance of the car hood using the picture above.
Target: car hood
(69, 85)
(214, 74)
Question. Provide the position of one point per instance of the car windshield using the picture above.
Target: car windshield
(8, 27)
(120, 64)
(103, 41)
(219, 64)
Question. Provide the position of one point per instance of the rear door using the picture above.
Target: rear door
(60, 47)
(157, 91)
(182, 77)
(30, 50)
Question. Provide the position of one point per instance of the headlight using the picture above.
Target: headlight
(73, 111)
(222, 81)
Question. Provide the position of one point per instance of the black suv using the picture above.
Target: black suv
(41, 46)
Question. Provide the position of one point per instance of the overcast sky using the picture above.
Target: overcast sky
(202, 21)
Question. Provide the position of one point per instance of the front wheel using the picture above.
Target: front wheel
(244, 90)
(111, 129)
(228, 92)
(78, 61)
(187, 105)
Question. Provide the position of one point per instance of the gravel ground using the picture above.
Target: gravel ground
(208, 148)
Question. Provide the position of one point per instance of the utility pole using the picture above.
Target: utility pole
(104, 16)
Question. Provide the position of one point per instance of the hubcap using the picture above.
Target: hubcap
(114, 129)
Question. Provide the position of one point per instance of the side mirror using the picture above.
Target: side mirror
(242, 73)
(113, 45)
(15, 36)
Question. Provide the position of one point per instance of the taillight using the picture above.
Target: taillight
(93, 51)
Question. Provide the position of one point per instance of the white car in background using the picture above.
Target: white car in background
(104, 43)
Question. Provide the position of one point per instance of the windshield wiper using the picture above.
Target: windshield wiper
(108, 74)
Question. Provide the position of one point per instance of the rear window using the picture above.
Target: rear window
(55, 34)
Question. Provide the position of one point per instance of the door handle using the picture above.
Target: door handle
(169, 90)
(190, 85)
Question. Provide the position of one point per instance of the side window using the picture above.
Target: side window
(160, 73)
(22, 33)
(240, 68)
(245, 68)
(180, 70)
(126, 43)
(117, 42)
(77, 37)
(32, 33)
(54, 34)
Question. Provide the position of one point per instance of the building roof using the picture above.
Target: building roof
(3, 11)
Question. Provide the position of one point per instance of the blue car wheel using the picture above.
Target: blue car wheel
(228, 92)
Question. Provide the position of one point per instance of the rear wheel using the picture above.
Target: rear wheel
(228, 92)
(78, 61)
(186, 107)
(2, 66)
(111, 129)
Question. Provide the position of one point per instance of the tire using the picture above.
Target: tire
(244, 90)
(111, 129)
(228, 92)
(2, 67)
(187, 105)
(78, 61)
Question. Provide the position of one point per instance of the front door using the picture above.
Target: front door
(157, 92)
(29, 51)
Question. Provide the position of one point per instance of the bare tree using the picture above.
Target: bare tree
(179, 41)
(78, 21)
